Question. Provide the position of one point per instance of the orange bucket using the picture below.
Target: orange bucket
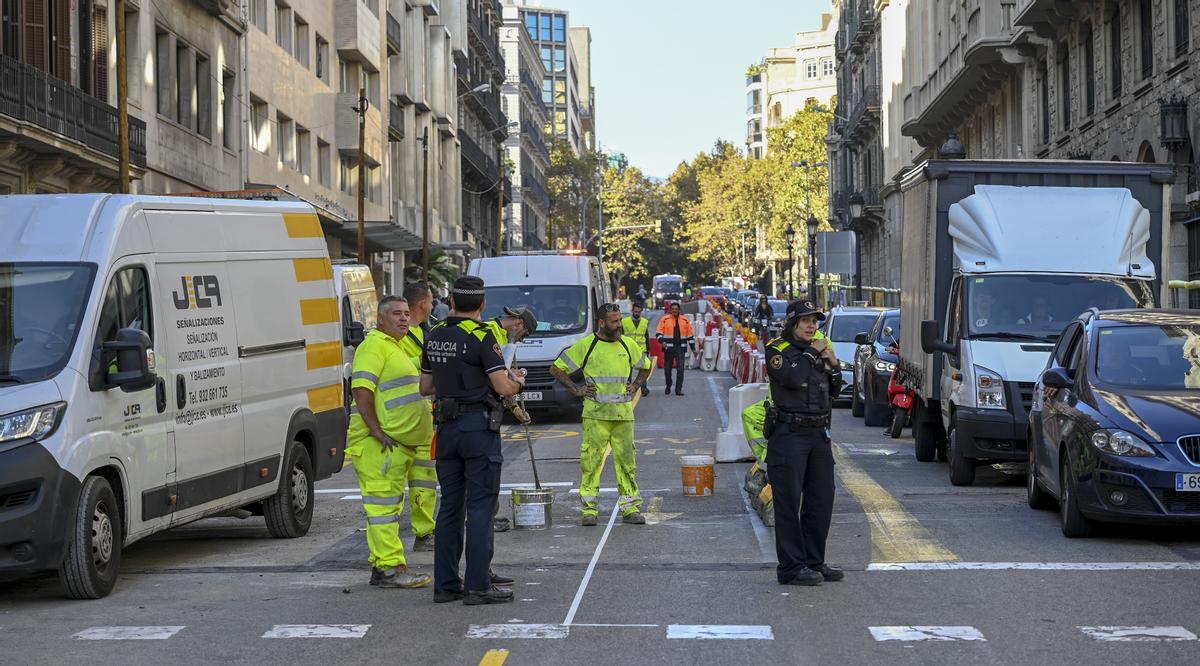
(697, 475)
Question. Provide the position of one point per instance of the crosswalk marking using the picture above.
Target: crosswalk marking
(504, 631)
(127, 633)
(1139, 634)
(909, 633)
(736, 632)
(317, 631)
(1033, 566)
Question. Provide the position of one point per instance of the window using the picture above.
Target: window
(162, 74)
(287, 140)
(810, 69)
(827, 68)
(545, 27)
(547, 91)
(560, 59)
(98, 53)
(560, 92)
(547, 63)
(349, 76)
(560, 28)
(258, 14)
(1146, 36)
(374, 186)
(132, 65)
(1044, 94)
(1064, 85)
(531, 25)
(1089, 68)
(283, 26)
(300, 47)
(370, 81)
(126, 305)
(203, 111)
(303, 151)
(229, 118)
(1182, 28)
(1114, 52)
(185, 84)
(322, 59)
(260, 126)
(346, 174)
(372, 5)
(323, 163)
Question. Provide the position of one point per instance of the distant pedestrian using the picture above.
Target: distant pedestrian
(638, 327)
(440, 309)
(675, 334)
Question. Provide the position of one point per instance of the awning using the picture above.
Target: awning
(382, 236)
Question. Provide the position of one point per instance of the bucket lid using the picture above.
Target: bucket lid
(696, 461)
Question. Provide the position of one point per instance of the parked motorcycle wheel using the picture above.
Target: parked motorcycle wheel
(899, 416)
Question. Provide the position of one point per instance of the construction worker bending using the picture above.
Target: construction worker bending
(392, 422)
(638, 327)
(598, 369)
(512, 328)
(422, 476)
(752, 424)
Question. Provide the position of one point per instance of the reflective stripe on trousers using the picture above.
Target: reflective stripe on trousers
(382, 476)
(422, 491)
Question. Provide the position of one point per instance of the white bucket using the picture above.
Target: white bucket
(531, 508)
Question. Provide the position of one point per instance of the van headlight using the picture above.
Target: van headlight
(989, 389)
(1121, 443)
(35, 424)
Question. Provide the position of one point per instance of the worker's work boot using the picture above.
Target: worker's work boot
(497, 579)
(423, 544)
(501, 524)
(635, 518)
(831, 574)
(445, 596)
(807, 577)
(496, 595)
(376, 574)
(402, 578)
(589, 520)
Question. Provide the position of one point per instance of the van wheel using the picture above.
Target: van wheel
(856, 406)
(93, 560)
(289, 511)
(962, 469)
(1074, 523)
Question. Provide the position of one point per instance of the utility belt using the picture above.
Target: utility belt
(447, 410)
(776, 417)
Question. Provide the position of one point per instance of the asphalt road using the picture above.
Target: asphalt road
(935, 574)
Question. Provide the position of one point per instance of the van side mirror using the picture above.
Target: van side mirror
(130, 365)
(931, 339)
(1057, 378)
(354, 335)
(861, 339)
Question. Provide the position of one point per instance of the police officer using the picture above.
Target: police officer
(638, 327)
(804, 377)
(462, 366)
(422, 477)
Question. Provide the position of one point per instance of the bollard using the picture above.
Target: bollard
(731, 445)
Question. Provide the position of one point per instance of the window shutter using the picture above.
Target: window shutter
(100, 51)
(62, 39)
(34, 22)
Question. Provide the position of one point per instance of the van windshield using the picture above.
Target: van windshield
(1038, 307)
(41, 306)
(560, 310)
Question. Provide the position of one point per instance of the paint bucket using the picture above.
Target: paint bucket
(697, 475)
(531, 508)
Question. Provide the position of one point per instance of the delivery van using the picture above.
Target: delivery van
(565, 291)
(162, 359)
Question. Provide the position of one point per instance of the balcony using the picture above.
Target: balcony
(357, 32)
(533, 133)
(395, 35)
(478, 160)
(483, 39)
(753, 138)
(395, 121)
(31, 95)
(865, 26)
(864, 118)
(534, 87)
(535, 191)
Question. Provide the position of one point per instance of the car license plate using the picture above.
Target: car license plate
(536, 396)
(1188, 483)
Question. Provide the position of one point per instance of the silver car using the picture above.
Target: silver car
(842, 324)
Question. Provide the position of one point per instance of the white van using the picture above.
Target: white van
(358, 304)
(565, 291)
(161, 360)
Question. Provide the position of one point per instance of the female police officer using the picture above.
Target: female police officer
(804, 376)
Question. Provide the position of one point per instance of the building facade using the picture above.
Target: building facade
(756, 147)
(527, 157)
(550, 29)
(581, 46)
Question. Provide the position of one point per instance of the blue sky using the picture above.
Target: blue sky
(669, 74)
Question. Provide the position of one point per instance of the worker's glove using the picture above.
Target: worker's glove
(517, 376)
(521, 415)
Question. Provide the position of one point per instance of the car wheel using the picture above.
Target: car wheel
(899, 416)
(289, 511)
(856, 406)
(1037, 496)
(875, 414)
(93, 559)
(962, 468)
(1074, 524)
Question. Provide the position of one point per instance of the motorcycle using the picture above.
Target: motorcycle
(901, 398)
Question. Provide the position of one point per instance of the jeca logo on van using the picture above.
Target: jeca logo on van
(198, 291)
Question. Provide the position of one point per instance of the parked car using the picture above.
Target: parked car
(1114, 429)
(842, 324)
(874, 364)
(714, 294)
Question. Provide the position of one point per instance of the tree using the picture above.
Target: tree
(631, 199)
(572, 182)
(442, 271)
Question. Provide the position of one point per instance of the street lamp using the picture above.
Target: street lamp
(812, 258)
(483, 87)
(790, 234)
(856, 205)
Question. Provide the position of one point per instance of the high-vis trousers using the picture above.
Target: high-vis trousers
(382, 476)
(598, 435)
(422, 491)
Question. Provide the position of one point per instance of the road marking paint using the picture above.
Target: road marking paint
(608, 491)
(126, 633)
(545, 484)
(1034, 566)
(334, 491)
(494, 658)
(766, 545)
(732, 632)
(618, 626)
(927, 633)
(896, 536)
(587, 576)
(505, 631)
(317, 631)
(867, 450)
(716, 396)
(1139, 634)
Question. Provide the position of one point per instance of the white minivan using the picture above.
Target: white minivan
(565, 290)
(161, 360)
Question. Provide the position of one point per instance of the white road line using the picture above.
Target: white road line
(716, 396)
(505, 631)
(126, 633)
(608, 491)
(618, 626)
(317, 631)
(1139, 634)
(506, 486)
(334, 491)
(910, 633)
(587, 576)
(1034, 566)
(729, 632)
(765, 542)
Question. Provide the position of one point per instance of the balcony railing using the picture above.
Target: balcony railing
(754, 137)
(533, 132)
(866, 109)
(31, 95)
(535, 190)
(483, 163)
(484, 38)
(395, 35)
(535, 90)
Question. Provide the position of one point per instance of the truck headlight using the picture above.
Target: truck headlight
(37, 423)
(989, 389)
(1121, 443)
(885, 367)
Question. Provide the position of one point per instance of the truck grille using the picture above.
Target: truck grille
(1190, 445)
(538, 376)
(1020, 393)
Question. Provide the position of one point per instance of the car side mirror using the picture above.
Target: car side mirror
(355, 334)
(861, 339)
(1057, 378)
(131, 357)
(931, 339)
(887, 330)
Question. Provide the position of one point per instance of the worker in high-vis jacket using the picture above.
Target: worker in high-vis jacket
(638, 327)
(422, 476)
(600, 369)
(510, 329)
(392, 423)
(752, 424)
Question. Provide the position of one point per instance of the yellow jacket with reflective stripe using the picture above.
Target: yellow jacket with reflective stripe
(382, 366)
(609, 368)
(752, 423)
(636, 331)
(498, 331)
(413, 344)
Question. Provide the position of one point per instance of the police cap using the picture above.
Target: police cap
(797, 309)
(528, 319)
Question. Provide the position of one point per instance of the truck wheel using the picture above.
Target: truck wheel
(1074, 524)
(899, 416)
(289, 511)
(856, 406)
(93, 560)
(962, 469)
(1035, 495)
(875, 415)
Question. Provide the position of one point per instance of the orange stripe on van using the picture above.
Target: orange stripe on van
(325, 398)
(302, 225)
(324, 355)
(318, 311)
(311, 270)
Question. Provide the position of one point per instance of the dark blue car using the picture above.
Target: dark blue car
(1115, 423)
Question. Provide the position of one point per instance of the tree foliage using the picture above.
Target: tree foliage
(572, 181)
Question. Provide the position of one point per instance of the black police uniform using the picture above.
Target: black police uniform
(800, 454)
(459, 354)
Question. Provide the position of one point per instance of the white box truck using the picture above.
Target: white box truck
(161, 360)
(565, 290)
(998, 257)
